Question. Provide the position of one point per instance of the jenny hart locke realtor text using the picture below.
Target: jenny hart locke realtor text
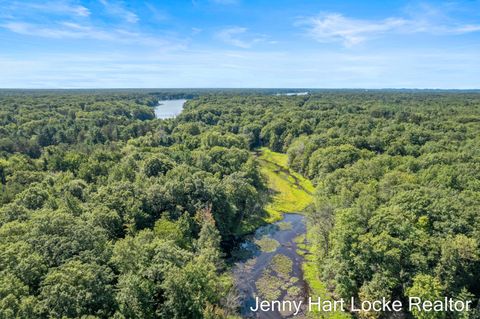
(418, 304)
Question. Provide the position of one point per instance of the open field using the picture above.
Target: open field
(290, 192)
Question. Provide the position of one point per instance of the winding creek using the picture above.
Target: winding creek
(270, 267)
(268, 264)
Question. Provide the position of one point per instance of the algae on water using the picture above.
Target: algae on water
(284, 225)
(267, 244)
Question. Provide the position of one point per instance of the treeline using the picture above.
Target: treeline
(107, 212)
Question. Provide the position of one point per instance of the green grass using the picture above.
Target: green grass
(290, 192)
(312, 276)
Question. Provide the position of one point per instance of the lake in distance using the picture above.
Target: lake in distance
(169, 108)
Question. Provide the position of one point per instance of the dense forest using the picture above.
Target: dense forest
(108, 212)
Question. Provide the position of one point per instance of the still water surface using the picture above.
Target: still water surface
(270, 267)
(169, 108)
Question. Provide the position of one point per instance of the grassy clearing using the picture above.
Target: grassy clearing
(290, 192)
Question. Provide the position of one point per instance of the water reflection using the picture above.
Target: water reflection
(169, 108)
(269, 266)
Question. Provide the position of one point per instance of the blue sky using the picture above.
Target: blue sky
(239, 43)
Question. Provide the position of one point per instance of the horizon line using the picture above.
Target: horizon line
(236, 88)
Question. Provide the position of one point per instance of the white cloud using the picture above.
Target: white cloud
(229, 36)
(156, 13)
(66, 19)
(64, 30)
(49, 7)
(335, 27)
(237, 36)
(72, 30)
(77, 10)
(240, 68)
(68, 31)
(117, 9)
(81, 11)
(468, 28)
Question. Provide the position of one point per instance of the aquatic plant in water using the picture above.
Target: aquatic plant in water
(267, 244)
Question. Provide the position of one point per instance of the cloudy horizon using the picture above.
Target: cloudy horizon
(235, 43)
